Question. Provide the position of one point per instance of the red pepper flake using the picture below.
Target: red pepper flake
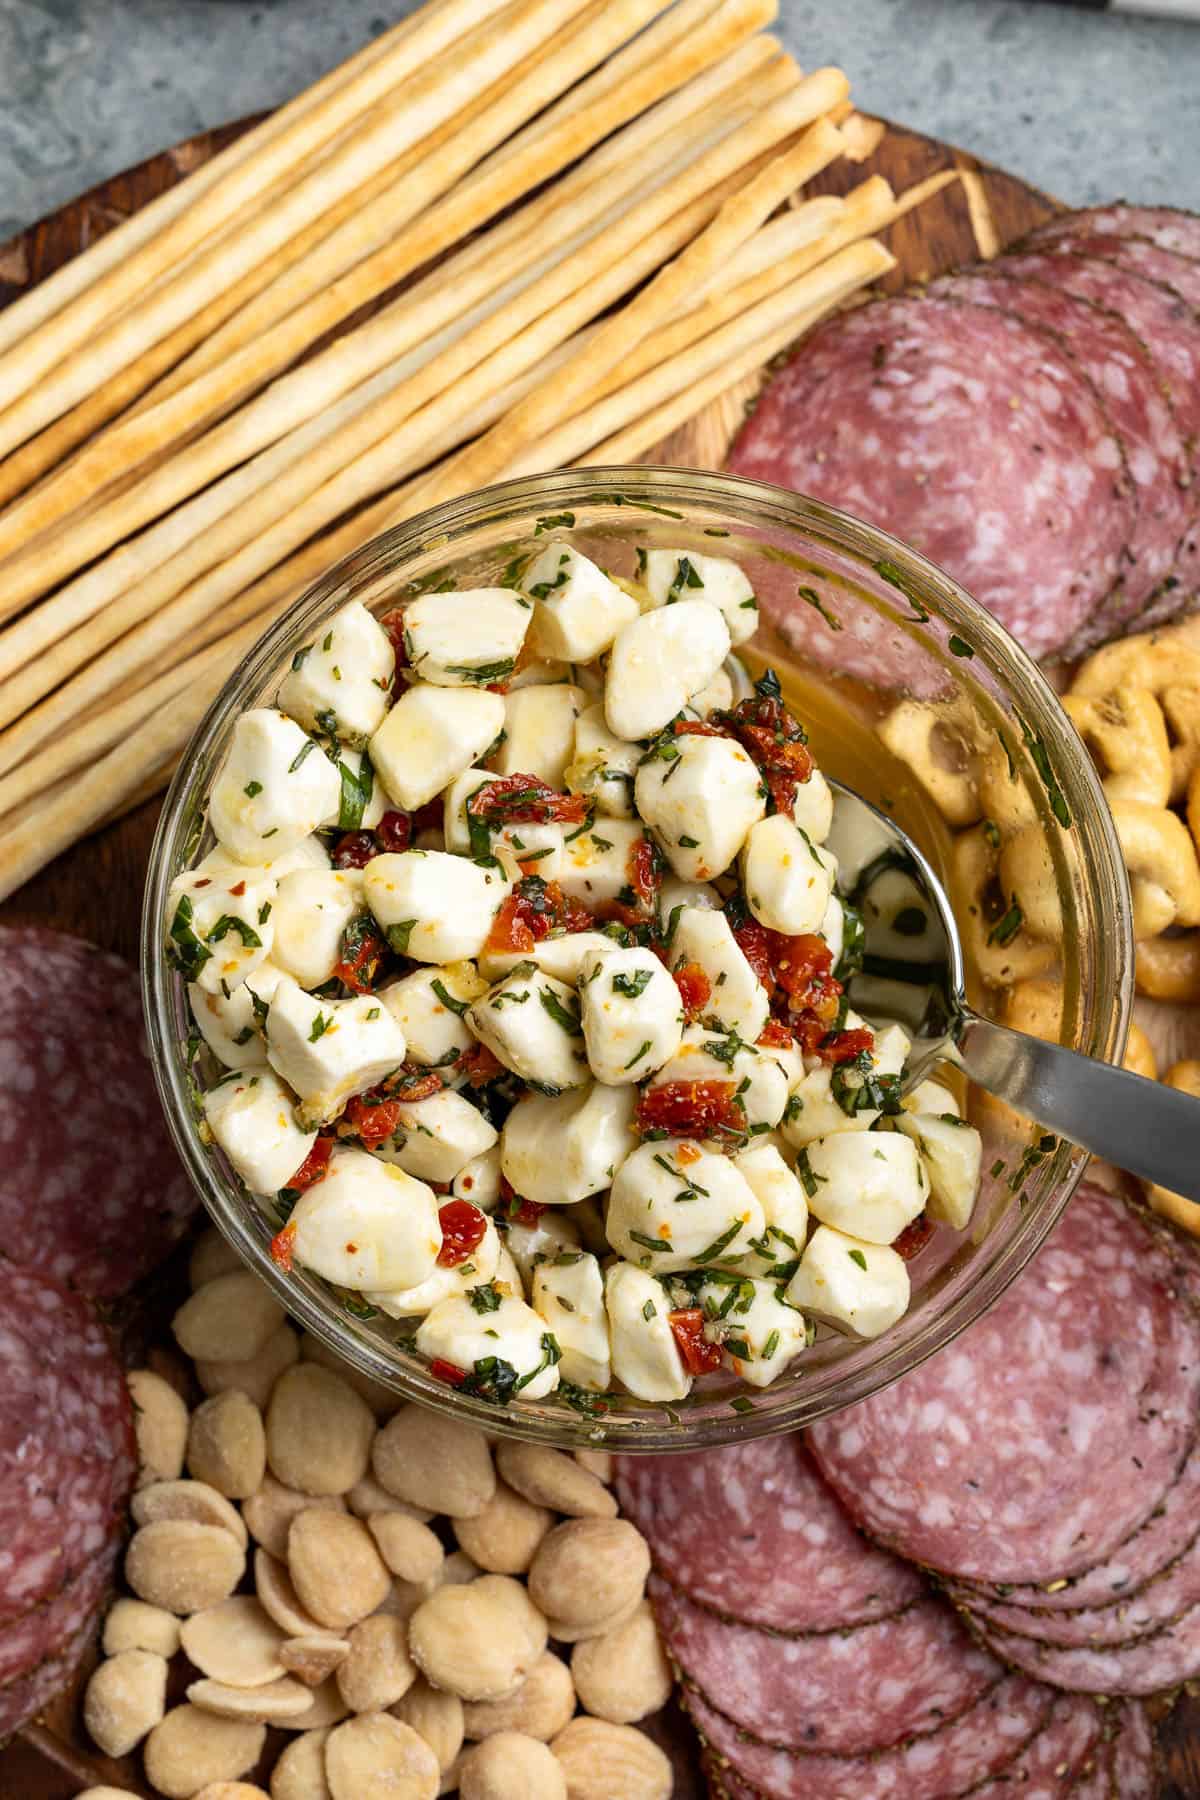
(315, 1166)
(913, 1238)
(239, 890)
(372, 1117)
(463, 1226)
(394, 832)
(283, 1246)
(845, 1046)
(695, 989)
(449, 1372)
(525, 800)
(699, 1356)
(697, 1109)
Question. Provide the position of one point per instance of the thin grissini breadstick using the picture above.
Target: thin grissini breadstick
(24, 314)
(46, 451)
(739, 217)
(184, 622)
(296, 397)
(343, 250)
(410, 113)
(818, 291)
(378, 86)
(26, 640)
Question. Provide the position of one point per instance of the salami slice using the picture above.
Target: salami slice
(1049, 1431)
(1137, 1668)
(1135, 1757)
(66, 1440)
(24, 1697)
(966, 434)
(850, 1691)
(984, 1739)
(1182, 273)
(1167, 226)
(39, 1634)
(1128, 382)
(91, 1190)
(1055, 1760)
(716, 1522)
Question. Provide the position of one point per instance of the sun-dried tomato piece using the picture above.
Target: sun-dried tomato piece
(755, 945)
(372, 1117)
(394, 831)
(845, 1046)
(691, 1109)
(283, 1247)
(510, 931)
(518, 1210)
(354, 850)
(697, 728)
(699, 1356)
(645, 871)
(533, 910)
(315, 1166)
(479, 1066)
(362, 954)
(449, 1372)
(798, 963)
(525, 800)
(775, 1035)
(463, 1226)
(411, 1083)
(393, 623)
(913, 1238)
(774, 738)
(695, 989)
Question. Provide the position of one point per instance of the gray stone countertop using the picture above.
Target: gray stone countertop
(1088, 105)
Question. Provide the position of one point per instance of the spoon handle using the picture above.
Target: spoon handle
(1140, 1125)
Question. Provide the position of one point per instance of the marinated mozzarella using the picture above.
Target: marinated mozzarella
(559, 1078)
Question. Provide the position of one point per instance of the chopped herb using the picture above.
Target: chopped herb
(373, 1013)
(856, 1256)
(649, 1311)
(685, 577)
(638, 1054)
(562, 1015)
(658, 1245)
(264, 912)
(719, 1244)
(1040, 757)
(959, 646)
(740, 1404)
(632, 985)
(355, 795)
(484, 672)
(1006, 929)
(808, 1176)
(811, 596)
(689, 843)
(398, 935)
(301, 657)
(252, 789)
(898, 579)
(485, 1299)
(563, 521)
(227, 923)
(447, 999)
(991, 832)
(602, 843)
(715, 531)
(998, 1167)
(506, 997)
(320, 1026)
(244, 1035)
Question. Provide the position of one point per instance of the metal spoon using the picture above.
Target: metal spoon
(913, 973)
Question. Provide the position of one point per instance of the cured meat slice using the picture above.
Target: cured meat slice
(39, 1634)
(1134, 1757)
(984, 1739)
(67, 1457)
(1167, 226)
(1166, 1597)
(1127, 380)
(91, 1190)
(846, 1691)
(1139, 1667)
(1144, 258)
(24, 1697)
(1055, 1760)
(1049, 1431)
(969, 436)
(754, 1533)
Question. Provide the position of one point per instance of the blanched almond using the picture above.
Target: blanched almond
(135, 1625)
(586, 1570)
(270, 1511)
(409, 1549)
(434, 1462)
(510, 1766)
(378, 1757)
(549, 1478)
(235, 1642)
(258, 1375)
(437, 1716)
(319, 1431)
(623, 1675)
(193, 1500)
(504, 1537)
(479, 1641)
(228, 1320)
(275, 1703)
(227, 1446)
(160, 1423)
(313, 1660)
(300, 1772)
(601, 1761)
(183, 1566)
(125, 1698)
(191, 1748)
(335, 1568)
(542, 1705)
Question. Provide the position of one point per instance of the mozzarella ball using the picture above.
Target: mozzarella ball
(341, 683)
(479, 1180)
(442, 1283)
(328, 1050)
(952, 1154)
(867, 1184)
(833, 928)
(851, 1284)
(714, 698)
(631, 1013)
(700, 802)
(759, 1332)
(429, 1006)
(675, 894)
(788, 880)
(436, 1138)
(603, 766)
(220, 927)
(563, 956)
(539, 731)
(468, 639)
(671, 576)
(812, 809)
(676, 1206)
(434, 907)
(568, 1293)
(553, 1234)
(645, 1356)
(759, 1083)
(230, 1024)
(309, 853)
(658, 662)
(578, 610)
(558, 1150)
(830, 1100)
(252, 1119)
(430, 736)
(530, 1023)
(596, 863)
(311, 913)
(785, 1209)
(511, 1335)
(738, 998)
(274, 788)
(541, 845)
(366, 1224)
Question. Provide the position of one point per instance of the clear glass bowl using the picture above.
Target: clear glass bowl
(884, 612)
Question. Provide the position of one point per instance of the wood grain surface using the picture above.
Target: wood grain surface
(95, 889)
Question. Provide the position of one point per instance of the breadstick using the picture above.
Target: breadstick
(575, 274)
(293, 399)
(22, 315)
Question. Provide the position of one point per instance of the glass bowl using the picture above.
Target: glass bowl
(836, 596)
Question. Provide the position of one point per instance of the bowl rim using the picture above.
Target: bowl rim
(655, 487)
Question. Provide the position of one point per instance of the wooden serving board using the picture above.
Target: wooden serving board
(94, 889)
